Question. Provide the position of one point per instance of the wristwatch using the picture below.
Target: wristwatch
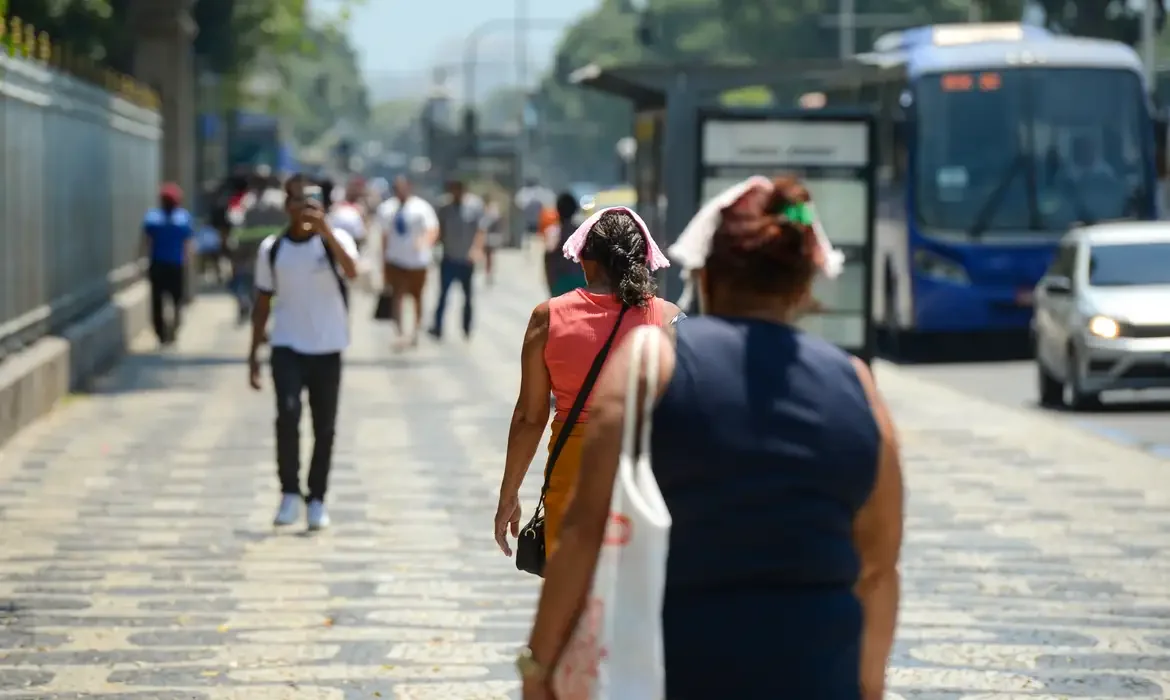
(528, 667)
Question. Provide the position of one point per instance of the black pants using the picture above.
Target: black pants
(450, 272)
(166, 281)
(292, 374)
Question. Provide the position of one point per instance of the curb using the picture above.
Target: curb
(35, 379)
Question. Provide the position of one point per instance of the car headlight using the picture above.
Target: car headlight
(940, 268)
(1104, 327)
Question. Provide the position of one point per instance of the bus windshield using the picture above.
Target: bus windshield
(1031, 149)
(254, 147)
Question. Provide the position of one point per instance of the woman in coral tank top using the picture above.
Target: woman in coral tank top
(565, 335)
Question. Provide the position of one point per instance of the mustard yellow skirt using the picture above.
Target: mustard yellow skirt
(561, 483)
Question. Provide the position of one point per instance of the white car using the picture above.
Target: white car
(1102, 314)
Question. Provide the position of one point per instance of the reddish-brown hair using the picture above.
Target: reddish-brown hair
(758, 249)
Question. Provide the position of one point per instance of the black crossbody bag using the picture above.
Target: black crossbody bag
(530, 553)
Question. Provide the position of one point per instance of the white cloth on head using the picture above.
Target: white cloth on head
(694, 244)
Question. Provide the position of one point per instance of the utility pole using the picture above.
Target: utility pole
(1149, 41)
(846, 28)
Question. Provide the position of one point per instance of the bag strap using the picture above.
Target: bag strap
(272, 258)
(328, 256)
(579, 403)
(341, 285)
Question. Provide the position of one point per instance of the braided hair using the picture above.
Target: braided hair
(618, 245)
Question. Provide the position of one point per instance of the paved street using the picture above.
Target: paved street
(1137, 419)
(138, 560)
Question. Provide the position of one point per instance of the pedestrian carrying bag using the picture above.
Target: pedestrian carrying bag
(530, 551)
(616, 649)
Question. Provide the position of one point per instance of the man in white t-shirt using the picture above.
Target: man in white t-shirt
(410, 228)
(301, 278)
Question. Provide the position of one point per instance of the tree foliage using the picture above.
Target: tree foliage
(579, 127)
(323, 88)
(320, 80)
(98, 29)
(582, 127)
(232, 34)
(1106, 19)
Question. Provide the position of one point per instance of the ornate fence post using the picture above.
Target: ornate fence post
(15, 36)
(44, 48)
(28, 46)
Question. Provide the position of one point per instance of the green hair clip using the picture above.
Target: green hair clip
(800, 213)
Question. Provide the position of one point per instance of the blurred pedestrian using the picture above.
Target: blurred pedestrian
(462, 237)
(301, 278)
(566, 337)
(168, 241)
(778, 462)
(410, 228)
(493, 227)
(532, 199)
(563, 275)
(349, 214)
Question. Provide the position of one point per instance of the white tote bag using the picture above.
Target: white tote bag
(615, 652)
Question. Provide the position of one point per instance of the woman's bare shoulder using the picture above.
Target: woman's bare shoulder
(670, 311)
(540, 316)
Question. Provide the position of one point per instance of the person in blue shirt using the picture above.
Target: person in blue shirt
(168, 242)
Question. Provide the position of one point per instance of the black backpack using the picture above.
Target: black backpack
(328, 256)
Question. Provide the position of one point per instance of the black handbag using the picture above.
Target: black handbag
(530, 553)
(384, 311)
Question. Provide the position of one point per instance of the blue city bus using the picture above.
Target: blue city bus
(256, 140)
(995, 140)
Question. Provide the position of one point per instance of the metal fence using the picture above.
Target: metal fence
(79, 167)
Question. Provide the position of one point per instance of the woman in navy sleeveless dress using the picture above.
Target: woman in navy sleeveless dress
(778, 462)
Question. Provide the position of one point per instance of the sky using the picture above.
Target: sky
(401, 41)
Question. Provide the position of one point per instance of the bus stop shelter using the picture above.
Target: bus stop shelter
(690, 146)
(667, 101)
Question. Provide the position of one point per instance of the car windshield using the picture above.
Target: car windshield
(1031, 148)
(1129, 265)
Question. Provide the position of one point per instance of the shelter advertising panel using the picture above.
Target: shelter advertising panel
(834, 155)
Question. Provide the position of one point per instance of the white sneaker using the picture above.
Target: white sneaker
(289, 511)
(318, 516)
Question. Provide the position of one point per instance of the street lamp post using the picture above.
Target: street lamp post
(1149, 42)
(472, 42)
(627, 149)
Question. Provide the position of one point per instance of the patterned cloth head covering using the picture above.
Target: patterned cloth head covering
(655, 260)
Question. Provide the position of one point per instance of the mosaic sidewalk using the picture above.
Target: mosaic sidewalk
(137, 559)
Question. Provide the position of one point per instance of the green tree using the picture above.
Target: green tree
(97, 29)
(389, 119)
(232, 34)
(501, 109)
(579, 128)
(1001, 10)
(772, 32)
(322, 89)
(1112, 19)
